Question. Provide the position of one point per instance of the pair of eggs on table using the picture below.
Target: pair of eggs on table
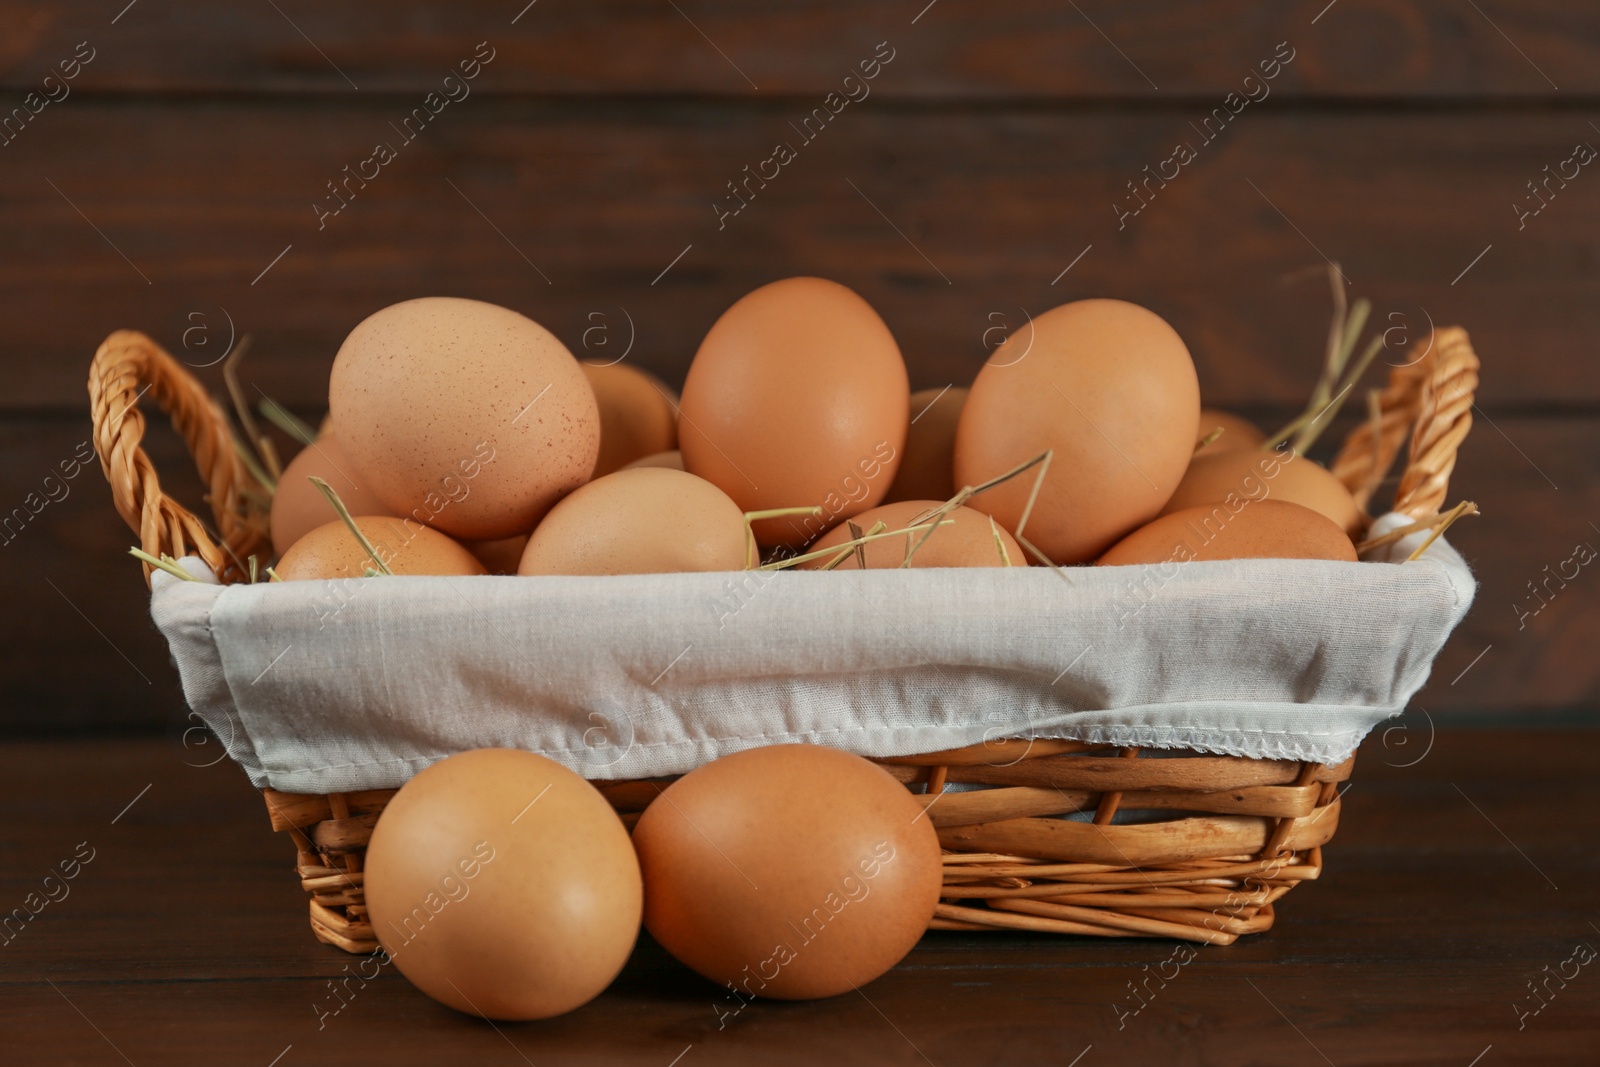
(503, 884)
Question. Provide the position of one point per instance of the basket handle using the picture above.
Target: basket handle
(126, 366)
(1432, 397)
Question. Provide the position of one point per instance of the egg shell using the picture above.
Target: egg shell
(464, 415)
(500, 556)
(638, 414)
(672, 460)
(649, 520)
(794, 871)
(1281, 474)
(405, 546)
(925, 467)
(968, 542)
(503, 885)
(798, 396)
(1263, 529)
(1110, 387)
(1237, 432)
(298, 507)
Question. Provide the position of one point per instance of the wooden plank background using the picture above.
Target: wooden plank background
(170, 186)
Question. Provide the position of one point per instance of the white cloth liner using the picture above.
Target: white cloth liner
(319, 687)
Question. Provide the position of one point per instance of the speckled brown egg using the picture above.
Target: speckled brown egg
(463, 415)
(1107, 385)
(649, 520)
(925, 468)
(797, 397)
(1281, 474)
(791, 872)
(1265, 529)
(404, 545)
(638, 414)
(969, 540)
(1237, 432)
(298, 507)
(672, 460)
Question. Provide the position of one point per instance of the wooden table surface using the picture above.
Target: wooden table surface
(1464, 870)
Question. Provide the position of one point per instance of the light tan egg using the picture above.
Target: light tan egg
(1110, 388)
(649, 520)
(672, 460)
(1237, 432)
(503, 885)
(1265, 529)
(1254, 474)
(404, 545)
(463, 415)
(298, 507)
(969, 540)
(638, 414)
(925, 468)
(797, 397)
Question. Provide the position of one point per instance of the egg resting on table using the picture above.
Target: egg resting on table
(792, 871)
(502, 884)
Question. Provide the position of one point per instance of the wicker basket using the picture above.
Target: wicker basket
(1217, 841)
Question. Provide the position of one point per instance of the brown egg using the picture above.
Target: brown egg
(797, 397)
(503, 885)
(463, 415)
(1236, 432)
(672, 460)
(404, 545)
(326, 426)
(1255, 474)
(968, 542)
(500, 556)
(650, 520)
(1111, 388)
(638, 414)
(1263, 529)
(298, 507)
(930, 447)
(794, 871)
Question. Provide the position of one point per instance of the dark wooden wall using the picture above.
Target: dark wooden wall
(172, 187)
